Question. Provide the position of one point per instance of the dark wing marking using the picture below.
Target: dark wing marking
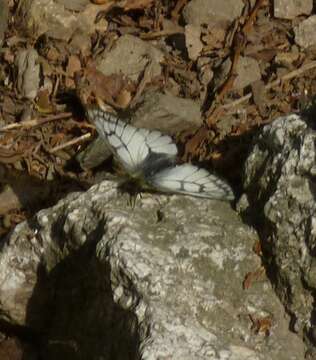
(129, 144)
(191, 180)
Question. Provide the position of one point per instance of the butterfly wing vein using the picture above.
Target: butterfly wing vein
(133, 146)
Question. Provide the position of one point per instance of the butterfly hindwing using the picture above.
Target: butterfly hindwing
(130, 145)
(191, 180)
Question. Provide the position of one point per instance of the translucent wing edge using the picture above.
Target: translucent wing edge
(134, 148)
(124, 141)
(177, 180)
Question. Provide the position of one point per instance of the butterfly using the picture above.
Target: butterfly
(149, 158)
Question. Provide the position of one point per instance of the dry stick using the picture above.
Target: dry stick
(274, 83)
(179, 5)
(144, 81)
(239, 42)
(252, 17)
(161, 33)
(70, 143)
(35, 122)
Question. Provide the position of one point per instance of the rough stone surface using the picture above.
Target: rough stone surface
(193, 41)
(98, 278)
(289, 9)
(198, 12)
(56, 20)
(248, 72)
(28, 73)
(94, 154)
(129, 56)
(167, 113)
(280, 185)
(305, 32)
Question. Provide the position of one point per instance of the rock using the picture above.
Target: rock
(161, 280)
(167, 113)
(130, 56)
(46, 16)
(94, 154)
(280, 186)
(57, 20)
(305, 32)
(247, 71)
(286, 59)
(289, 9)
(28, 73)
(193, 41)
(198, 12)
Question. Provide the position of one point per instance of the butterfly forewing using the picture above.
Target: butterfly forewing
(190, 179)
(130, 145)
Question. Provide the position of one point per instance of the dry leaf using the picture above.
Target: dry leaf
(252, 277)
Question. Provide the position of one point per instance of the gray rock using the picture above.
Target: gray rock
(54, 18)
(305, 32)
(157, 281)
(198, 12)
(248, 72)
(280, 186)
(28, 73)
(193, 41)
(94, 154)
(289, 9)
(46, 16)
(167, 113)
(130, 56)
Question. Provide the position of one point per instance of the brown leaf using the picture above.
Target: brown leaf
(261, 325)
(112, 89)
(252, 277)
(73, 65)
(43, 103)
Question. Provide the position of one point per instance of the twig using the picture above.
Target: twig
(35, 122)
(144, 81)
(179, 5)
(239, 42)
(70, 143)
(274, 83)
(161, 33)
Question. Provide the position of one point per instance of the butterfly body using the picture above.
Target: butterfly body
(149, 158)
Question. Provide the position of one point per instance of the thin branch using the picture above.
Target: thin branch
(70, 143)
(239, 42)
(36, 122)
(272, 84)
(161, 33)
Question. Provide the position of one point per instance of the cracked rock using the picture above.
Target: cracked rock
(305, 32)
(28, 73)
(280, 185)
(95, 277)
(289, 9)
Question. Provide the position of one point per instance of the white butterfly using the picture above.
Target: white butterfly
(150, 157)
